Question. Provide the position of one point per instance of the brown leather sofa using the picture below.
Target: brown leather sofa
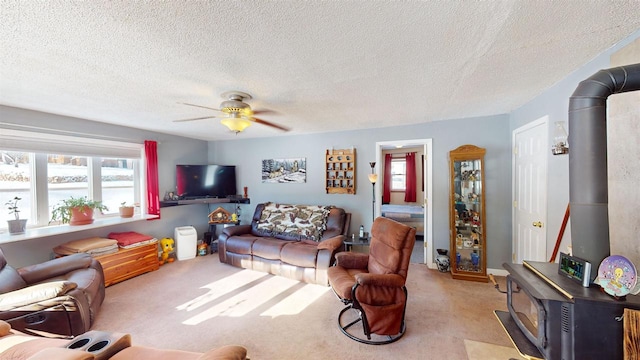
(272, 244)
(60, 296)
(98, 345)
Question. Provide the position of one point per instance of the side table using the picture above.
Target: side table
(213, 241)
(348, 245)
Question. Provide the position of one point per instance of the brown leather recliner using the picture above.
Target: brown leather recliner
(61, 296)
(373, 285)
(99, 345)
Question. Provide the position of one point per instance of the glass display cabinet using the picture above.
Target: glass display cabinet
(467, 214)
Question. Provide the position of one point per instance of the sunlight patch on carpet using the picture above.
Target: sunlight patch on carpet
(246, 301)
(222, 287)
(477, 350)
(296, 302)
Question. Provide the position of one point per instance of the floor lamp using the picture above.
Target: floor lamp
(373, 177)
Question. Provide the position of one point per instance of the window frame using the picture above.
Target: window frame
(404, 175)
(40, 145)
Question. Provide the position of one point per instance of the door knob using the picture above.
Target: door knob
(537, 224)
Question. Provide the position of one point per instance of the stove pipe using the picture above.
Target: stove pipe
(588, 188)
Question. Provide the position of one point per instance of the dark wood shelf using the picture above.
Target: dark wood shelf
(205, 201)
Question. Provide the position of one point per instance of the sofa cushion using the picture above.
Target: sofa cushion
(240, 244)
(268, 248)
(34, 294)
(336, 223)
(299, 254)
(9, 278)
(292, 222)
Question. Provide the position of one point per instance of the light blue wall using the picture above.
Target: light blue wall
(490, 132)
(554, 102)
(172, 150)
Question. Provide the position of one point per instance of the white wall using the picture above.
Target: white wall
(623, 146)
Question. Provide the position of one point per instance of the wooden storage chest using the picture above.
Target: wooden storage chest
(127, 263)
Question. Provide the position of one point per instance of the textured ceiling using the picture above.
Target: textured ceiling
(320, 65)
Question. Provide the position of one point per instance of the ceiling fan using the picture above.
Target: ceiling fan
(236, 114)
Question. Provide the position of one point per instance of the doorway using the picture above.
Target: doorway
(529, 177)
(427, 202)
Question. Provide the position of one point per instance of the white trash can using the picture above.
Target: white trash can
(186, 239)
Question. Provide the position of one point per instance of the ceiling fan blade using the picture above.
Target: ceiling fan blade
(198, 118)
(264, 122)
(265, 111)
(200, 106)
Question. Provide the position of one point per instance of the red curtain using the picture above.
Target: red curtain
(153, 190)
(386, 183)
(410, 185)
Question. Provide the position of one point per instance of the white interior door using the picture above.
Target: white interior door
(530, 191)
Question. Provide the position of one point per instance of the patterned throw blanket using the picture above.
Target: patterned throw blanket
(302, 221)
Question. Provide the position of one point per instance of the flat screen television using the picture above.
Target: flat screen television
(203, 181)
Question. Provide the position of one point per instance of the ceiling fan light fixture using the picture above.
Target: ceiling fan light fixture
(236, 123)
(237, 114)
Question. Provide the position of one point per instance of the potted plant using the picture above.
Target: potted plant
(76, 211)
(126, 211)
(16, 226)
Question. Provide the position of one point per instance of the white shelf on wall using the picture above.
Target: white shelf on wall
(45, 231)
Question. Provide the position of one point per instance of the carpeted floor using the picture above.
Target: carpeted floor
(417, 255)
(200, 304)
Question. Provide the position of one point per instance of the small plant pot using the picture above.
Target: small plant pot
(126, 211)
(17, 226)
(81, 216)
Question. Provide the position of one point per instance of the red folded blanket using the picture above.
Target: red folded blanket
(128, 238)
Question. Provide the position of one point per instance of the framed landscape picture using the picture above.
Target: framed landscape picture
(293, 170)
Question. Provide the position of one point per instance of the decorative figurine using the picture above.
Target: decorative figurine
(167, 247)
(475, 218)
(203, 249)
(476, 239)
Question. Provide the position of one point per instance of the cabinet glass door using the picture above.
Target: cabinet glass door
(468, 241)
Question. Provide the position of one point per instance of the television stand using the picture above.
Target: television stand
(204, 201)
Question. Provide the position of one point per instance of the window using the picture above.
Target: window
(15, 181)
(118, 182)
(98, 169)
(398, 174)
(66, 176)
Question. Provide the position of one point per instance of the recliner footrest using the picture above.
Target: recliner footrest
(102, 345)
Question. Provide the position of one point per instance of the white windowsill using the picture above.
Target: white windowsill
(44, 231)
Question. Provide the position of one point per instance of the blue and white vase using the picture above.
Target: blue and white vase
(442, 260)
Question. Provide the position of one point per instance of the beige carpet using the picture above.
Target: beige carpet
(200, 304)
(485, 351)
